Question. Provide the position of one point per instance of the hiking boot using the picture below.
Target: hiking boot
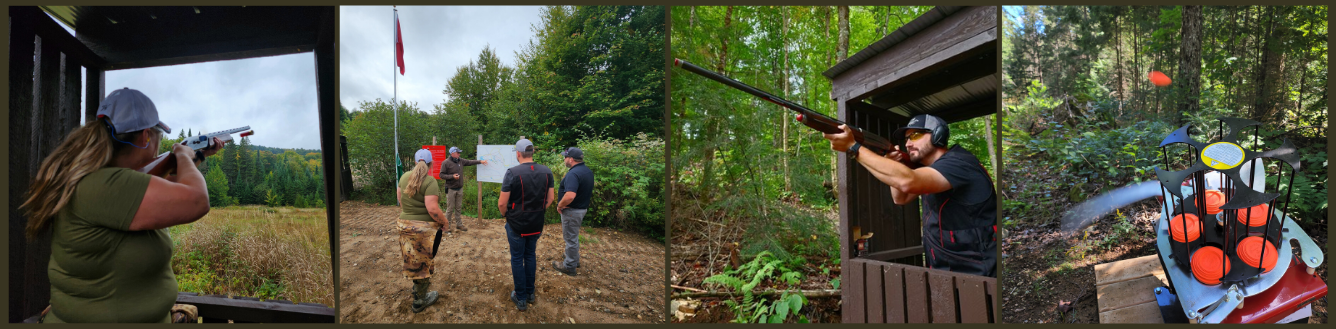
(421, 297)
(461, 227)
(556, 264)
(522, 305)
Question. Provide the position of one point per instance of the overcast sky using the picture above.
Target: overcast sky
(437, 41)
(275, 96)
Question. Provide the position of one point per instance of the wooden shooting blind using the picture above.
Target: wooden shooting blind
(943, 63)
(45, 89)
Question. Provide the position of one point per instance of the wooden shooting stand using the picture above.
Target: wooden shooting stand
(1126, 290)
(45, 90)
(943, 63)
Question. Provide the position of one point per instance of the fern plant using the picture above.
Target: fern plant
(744, 280)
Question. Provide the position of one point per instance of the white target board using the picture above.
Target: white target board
(499, 158)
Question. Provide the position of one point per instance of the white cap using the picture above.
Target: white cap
(129, 110)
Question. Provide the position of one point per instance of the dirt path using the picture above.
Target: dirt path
(620, 281)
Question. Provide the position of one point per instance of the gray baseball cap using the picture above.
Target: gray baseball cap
(938, 127)
(573, 152)
(454, 150)
(129, 110)
(524, 145)
(422, 155)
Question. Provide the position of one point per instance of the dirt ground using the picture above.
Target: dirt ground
(1049, 278)
(620, 279)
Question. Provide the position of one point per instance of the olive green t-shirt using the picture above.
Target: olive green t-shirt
(101, 271)
(415, 207)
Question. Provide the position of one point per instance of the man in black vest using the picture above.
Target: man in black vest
(959, 203)
(526, 192)
(576, 187)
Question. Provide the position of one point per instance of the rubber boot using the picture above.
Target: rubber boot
(421, 297)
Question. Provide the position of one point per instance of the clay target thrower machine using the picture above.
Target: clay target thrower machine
(1229, 251)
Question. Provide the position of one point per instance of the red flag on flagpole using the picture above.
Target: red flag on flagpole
(398, 45)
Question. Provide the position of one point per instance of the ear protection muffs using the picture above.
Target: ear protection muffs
(940, 133)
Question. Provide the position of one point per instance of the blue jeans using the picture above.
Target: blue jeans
(523, 262)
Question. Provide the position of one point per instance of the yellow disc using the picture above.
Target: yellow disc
(1222, 155)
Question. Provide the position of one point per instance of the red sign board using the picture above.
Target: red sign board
(437, 155)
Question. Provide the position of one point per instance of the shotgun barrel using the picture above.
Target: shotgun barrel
(165, 164)
(806, 116)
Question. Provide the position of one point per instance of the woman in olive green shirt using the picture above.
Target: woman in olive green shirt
(110, 251)
(420, 218)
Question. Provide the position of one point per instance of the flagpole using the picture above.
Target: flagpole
(395, 67)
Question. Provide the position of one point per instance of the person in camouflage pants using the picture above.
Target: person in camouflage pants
(420, 218)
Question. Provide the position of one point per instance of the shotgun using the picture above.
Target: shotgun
(806, 116)
(165, 164)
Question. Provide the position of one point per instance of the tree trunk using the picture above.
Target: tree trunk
(1270, 81)
(843, 50)
(1189, 64)
(712, 123)
(988, 136)
(784, 75)
(1118, 55)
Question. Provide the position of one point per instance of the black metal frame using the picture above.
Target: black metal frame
(1223, 230)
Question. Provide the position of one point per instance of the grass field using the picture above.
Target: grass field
(256, 251)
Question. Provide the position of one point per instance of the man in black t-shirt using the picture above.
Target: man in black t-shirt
(576, 188)
(959, 203)
(526, 192)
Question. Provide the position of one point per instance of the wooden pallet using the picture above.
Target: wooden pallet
(1126, 290)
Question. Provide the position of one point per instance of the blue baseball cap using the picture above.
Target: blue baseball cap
(454, 149)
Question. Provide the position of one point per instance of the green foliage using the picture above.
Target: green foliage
(1079, 100)
(628, 182)
(765, 268)
(216, 182)
(371, 146)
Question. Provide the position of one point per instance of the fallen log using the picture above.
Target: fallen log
(820, 293)
(689, 288)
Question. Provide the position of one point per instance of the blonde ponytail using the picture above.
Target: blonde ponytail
(420, 172)
(83, 151)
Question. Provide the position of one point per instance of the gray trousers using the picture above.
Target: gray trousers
(570, 231)
(453, 200)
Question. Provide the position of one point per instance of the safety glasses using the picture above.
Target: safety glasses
(916, 135)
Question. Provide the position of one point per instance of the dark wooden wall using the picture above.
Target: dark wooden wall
(45, 89)
(884, 292)
(897, 229)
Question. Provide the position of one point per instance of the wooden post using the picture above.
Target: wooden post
(475, 178)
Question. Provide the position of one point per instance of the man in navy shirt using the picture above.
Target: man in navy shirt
(959, 203)
(575, 190)
(526, 192)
